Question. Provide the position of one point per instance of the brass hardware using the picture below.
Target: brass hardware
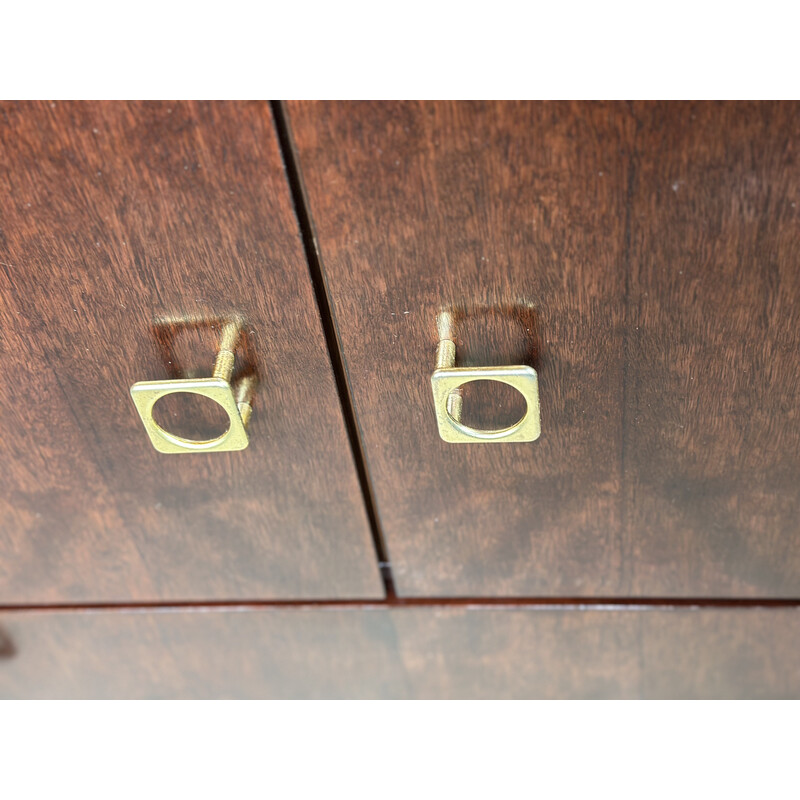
(447, 380)
(236, 401)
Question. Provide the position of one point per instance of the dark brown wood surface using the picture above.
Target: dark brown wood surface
(415, 652)
(712, 389)
(114, 217)
(645, 258)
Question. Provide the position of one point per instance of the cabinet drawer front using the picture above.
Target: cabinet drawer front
(117, 217)
(414, 653)
(644, 259)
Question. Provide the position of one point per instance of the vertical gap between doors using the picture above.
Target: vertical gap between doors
(305, 221)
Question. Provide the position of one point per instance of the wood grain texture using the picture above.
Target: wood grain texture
(712, 434)
(116, 215)
(514, 216)
(645, 258)
(407, 653)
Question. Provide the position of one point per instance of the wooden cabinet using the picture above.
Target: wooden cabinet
(432, 652)
(644, 258)
(117, 218)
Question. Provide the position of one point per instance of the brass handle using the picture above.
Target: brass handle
(236, 401)
(447, 380)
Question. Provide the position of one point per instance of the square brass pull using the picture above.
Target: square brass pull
(236, 402)
(447, 380)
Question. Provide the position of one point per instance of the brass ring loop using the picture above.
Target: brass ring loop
(237, 404)
(447, 379)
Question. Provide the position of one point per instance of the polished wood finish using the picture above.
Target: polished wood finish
(644, 258)
(712, 411)
(197, 655)
(646, 653)
(117, 217)
(417, 653)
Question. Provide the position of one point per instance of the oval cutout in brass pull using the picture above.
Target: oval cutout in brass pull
(236, 401)
(447, 380)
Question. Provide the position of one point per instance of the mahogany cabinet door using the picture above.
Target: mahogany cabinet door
(645, 259)
(128, 232)
(422, 652)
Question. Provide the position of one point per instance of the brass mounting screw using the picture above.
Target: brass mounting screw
(223, 364)
(446, 359)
